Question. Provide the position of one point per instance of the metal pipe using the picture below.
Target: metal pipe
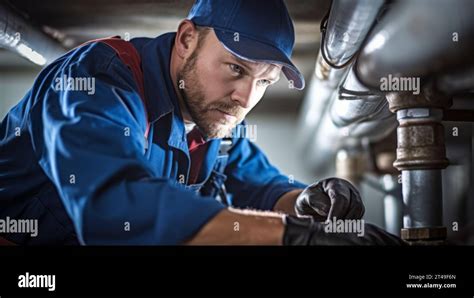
(19, 36)
(422, 196)
(355, 103)
(421, 155)
(418, 39)
(420, 138)
(348, 24)
(319, 137)
(456, 82)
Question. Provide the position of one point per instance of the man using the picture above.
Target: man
(78, 161)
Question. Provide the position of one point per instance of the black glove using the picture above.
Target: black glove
(305, 231)
(330, 198)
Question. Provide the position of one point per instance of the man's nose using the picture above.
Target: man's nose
(244, 94)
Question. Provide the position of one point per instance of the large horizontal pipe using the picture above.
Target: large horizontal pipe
(418, 39)
(19, 36)
(457, 82)
(348, 24)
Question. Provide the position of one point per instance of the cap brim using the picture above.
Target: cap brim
(251, 49)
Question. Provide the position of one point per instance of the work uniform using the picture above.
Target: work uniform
(79, 162)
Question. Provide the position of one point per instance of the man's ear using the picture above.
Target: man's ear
(186, 39)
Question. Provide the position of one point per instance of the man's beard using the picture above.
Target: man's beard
(193, 99)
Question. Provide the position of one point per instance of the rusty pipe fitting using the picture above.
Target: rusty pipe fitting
(421, 155)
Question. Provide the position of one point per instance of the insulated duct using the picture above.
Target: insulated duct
(19, 36)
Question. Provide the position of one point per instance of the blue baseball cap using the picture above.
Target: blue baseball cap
(255, 30)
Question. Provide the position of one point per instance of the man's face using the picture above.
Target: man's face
(220, 89)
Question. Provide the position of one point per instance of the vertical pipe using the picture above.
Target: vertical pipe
(422, 196)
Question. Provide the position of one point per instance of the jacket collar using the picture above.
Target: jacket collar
(161, 97)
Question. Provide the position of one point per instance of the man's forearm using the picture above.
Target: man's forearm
(286, 203)
(235, 226)
(241, 227)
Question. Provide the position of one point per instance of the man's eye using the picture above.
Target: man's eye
(236, 69)
(264, 83)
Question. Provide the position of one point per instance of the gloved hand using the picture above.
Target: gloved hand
(328, 198)
(305, 231)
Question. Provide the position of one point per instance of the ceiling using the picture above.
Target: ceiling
(73, 22)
